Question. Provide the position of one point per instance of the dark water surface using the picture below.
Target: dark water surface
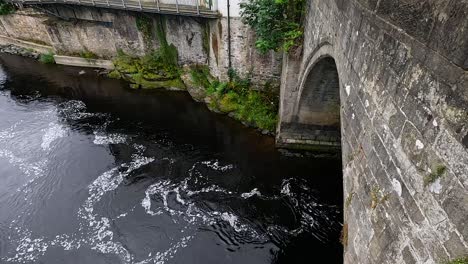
(91, 172)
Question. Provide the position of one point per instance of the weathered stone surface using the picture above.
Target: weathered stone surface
(404, 110)
(197, 92)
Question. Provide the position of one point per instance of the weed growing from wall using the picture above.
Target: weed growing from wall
(437, 172)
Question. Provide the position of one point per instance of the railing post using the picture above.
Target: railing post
(123, 4)
(157, 4)
(139, 2)
(177, 6)
(107, 1)
(198, 7)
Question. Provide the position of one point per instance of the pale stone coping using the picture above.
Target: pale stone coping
(82, 62)
(4, 40)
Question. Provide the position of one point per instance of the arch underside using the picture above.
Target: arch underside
(316, 119)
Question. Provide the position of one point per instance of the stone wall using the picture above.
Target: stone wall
(75, 29)
(404, 122)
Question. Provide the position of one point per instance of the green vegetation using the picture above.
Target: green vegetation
(148, 72)
(255, 108)
(436, 173)
(158, 68)
(277, 23)
(47, 58)
(6, 8)
(145, 25)
(463, 260)
(167, 53)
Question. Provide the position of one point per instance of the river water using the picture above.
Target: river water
(92, 172)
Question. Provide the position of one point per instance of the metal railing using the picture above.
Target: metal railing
(203, 8)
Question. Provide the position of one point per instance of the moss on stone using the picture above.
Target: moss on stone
(147, 72)
(145, 26)
(253, 108)
(437, 172)
(114, 74)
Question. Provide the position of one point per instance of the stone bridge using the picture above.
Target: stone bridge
(386, 81)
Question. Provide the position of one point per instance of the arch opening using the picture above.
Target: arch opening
(316, 119)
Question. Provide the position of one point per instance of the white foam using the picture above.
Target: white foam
(54, 132)
(215, 165)
(96, 233)
(109, 139)
(251, 193)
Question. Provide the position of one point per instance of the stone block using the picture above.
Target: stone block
(456, 206)
(408, 256)
(455, 246)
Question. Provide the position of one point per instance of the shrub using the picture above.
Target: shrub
(277, 23)
(6, 8)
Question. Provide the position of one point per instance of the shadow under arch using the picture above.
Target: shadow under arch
(316, 116)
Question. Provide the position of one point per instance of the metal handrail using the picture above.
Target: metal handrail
(181, 7)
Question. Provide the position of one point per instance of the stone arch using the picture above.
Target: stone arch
(318, 102)
(317, 107)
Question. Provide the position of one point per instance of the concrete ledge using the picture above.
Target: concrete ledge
(4, 40)
(307, 144)
(82, 62)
